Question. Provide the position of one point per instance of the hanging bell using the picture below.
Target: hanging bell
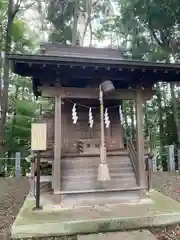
(107, 86)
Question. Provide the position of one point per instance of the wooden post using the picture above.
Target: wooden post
(140, 139)
(52, 180)
(33, 164)
(57, 146)
(149, 162)
(38, 144)
(38, 159)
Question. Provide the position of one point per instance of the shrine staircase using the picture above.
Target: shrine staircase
(80, 185)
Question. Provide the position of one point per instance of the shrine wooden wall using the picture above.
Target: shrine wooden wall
(72, 133)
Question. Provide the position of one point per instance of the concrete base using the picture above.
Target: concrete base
(134, 235)
(155, 211)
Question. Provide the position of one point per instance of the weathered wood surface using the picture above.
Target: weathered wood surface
(93, 93)
(56, 171)
(140, 139)
(61, 50)
(49, 155)
(81, 173)
(72, 134)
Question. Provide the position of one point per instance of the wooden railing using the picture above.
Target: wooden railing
(148, 161)
(146, 144)
(134, 160)
(133, 156)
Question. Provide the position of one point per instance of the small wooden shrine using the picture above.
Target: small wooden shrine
(84, 132)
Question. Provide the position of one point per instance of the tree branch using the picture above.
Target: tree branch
(88, 21)
(91, 34)
(151, 28)
(18, 6)
(29, 5)
(155, 36)
(15, 8)
(95, 3)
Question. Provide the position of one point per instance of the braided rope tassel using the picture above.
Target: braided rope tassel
(102, 119)
(103, 171)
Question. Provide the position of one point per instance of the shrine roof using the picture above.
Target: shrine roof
(78, 66)
(91, 61)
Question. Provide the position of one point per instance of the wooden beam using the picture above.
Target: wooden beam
(92, 93)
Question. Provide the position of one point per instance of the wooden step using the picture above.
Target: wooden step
(97, 161)
(121, 189)
(81, 173)
(48, 155)
(95, 184)
(109, 153)
(92, 175)
(94, 158)
(68, 166)
(112, 169)
(95, 181)
(96, 187)
(78, 164)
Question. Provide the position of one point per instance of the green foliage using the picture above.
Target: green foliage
(22, 108)
(21, 35)
(159, 18)
(18, 127)
(60, 15)
(145, 29)
(149, 30)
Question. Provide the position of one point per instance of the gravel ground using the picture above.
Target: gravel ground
(168, 184)
(13, 193)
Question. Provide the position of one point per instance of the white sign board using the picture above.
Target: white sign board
(38, 136)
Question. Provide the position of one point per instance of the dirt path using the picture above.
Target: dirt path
(168, 184)
(12, 195)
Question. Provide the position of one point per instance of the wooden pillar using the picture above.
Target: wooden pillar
(140, 139)
(52, 181)
(57, 147)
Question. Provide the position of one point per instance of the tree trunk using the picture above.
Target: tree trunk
(1, 66)
(14, 114)
(146, 125)
(91, 34)
(126, 127)
(161, 130)
(88, 20)
(4, 93)
(132, 119)
(175, 111)
(75, 23)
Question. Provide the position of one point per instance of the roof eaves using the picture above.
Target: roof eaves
(79, 59)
